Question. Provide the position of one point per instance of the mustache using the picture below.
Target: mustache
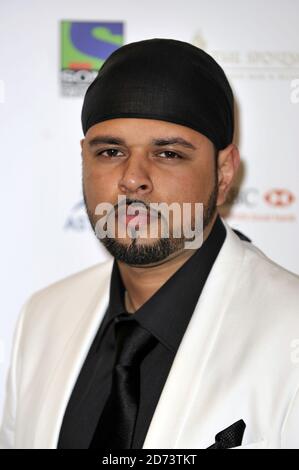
(144, 204)
(129, 201)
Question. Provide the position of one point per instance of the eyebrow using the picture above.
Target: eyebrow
(174, 141)
(112, 140)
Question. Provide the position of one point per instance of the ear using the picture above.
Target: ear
(228, 164)
(81, 144)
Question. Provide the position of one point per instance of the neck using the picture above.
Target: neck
(141, 282)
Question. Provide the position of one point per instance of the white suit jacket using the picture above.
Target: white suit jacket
(237, 359)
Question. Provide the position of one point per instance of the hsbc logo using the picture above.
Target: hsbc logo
(279, 197)
(253, 197)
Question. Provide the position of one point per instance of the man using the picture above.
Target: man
(166, 345)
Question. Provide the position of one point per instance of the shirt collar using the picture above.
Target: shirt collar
(167, 313)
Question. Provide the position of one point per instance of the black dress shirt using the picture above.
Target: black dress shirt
(166, 315)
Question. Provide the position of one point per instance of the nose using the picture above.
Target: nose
(135, 179)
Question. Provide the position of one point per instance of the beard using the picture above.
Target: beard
(140, 254)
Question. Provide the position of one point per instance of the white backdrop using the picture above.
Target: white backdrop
(45, 235)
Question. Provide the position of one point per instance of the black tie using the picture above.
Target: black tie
(116, 425)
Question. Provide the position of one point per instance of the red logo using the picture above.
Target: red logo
(279, 197)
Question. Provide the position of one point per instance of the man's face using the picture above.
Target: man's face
(148, 161)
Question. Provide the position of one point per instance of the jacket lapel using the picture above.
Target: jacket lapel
(72, 358)
(188, 373)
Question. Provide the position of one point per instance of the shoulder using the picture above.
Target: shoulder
(265, 295)
(273, 277)
(87, 278)
(264, 274)
(67, 299)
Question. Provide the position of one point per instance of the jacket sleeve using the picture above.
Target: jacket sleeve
(290, 429)
(8, 426)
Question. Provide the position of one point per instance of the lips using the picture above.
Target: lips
(138, 214)
(139, 219)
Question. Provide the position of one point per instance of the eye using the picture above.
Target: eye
(170, 155)
(108, 153)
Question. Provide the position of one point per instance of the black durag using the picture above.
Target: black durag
(163, 79)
